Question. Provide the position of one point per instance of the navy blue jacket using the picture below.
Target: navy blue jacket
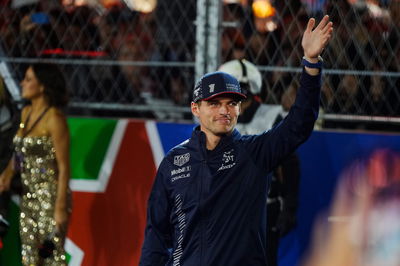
(208, 207)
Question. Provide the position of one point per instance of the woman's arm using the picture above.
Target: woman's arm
(58, 129)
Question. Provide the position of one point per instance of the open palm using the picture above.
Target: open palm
(315, 40)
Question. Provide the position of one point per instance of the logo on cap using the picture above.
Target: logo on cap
(211, 86)
(196, 91)
(216, 83)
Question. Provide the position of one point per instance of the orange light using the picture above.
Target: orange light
(263, 9)
(110, 3)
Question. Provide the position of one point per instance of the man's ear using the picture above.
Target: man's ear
(195, 109)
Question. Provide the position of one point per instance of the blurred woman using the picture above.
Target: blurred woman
(41, 157)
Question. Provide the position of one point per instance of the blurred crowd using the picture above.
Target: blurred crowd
(107, 49)
(118, 54)
(364, 48)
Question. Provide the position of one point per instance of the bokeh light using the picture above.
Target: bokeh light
(263, 9)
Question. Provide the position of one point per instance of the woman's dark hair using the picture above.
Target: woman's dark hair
(53, 81)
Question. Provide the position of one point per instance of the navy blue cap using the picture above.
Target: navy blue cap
(215, 84)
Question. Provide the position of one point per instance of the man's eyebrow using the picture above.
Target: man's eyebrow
(213, 101)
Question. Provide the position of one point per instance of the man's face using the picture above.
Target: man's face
(217, 116)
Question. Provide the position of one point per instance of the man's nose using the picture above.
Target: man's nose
(224, 109)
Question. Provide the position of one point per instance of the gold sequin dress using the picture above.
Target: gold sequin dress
(38, 166)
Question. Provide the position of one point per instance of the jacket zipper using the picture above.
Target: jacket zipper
(202, 217)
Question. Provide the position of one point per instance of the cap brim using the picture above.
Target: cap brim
(232, 94)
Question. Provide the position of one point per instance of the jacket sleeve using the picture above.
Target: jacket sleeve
(269, 148)
(290, 182)
(158, 231)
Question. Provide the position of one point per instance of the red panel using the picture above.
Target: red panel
(109, 227)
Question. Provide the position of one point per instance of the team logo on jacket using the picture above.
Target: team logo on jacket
(180, 173)
(228, 160)
(180, 160)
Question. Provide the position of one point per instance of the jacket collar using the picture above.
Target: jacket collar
(198, 139)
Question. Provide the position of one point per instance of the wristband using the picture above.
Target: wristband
(306, 63)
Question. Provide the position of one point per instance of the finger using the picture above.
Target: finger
(328, 37)
(328, 28)
(59, 228)
(323, 22)
(310, 25)
(63, 228)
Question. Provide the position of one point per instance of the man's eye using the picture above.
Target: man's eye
(233, 103)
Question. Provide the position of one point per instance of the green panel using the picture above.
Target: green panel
(89, 143)
(11, 252)
(68, 257)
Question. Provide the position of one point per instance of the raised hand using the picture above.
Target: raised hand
(315, 40)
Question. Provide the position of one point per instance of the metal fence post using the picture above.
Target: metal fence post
(208, 35)
(214, 35)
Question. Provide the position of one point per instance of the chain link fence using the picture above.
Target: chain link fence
(140, 58)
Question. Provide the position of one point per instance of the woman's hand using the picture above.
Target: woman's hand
(61, 219)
